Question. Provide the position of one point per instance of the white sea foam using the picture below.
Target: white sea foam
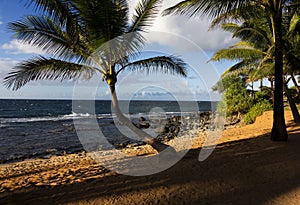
(77, 115)
(72, 116)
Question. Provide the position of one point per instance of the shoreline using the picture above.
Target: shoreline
(249, 146)
(64, 140)
(34, 128)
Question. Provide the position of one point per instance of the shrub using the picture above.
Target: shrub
(236, 100)
(265, 93)
(257, 110)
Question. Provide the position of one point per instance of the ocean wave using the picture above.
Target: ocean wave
(53, 118)
(77, 115)
(2, 125)
(154, 115)
(73, 116)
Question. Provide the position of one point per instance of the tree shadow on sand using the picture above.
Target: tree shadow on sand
(254, 171)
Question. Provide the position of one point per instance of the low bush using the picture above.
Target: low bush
(265, 93)
(235, 100)
(257, 110)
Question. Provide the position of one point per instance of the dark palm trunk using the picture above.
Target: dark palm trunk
(279, 132)
(158, 146)
(295, 83)
(293, 106)
(272, 88)
(252, 89)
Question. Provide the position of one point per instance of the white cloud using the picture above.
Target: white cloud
(34, 89)
(6, 64)
(1, 22)
(17, 47)
(5, 67)
(194, 29)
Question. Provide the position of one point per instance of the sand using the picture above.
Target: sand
(245, 168)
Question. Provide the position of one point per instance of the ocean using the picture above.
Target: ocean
(41, 128)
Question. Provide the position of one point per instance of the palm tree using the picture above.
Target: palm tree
(88, 37)
(273, 8)
(256, 50)
(292, 41)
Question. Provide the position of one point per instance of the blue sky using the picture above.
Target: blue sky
(187, 38)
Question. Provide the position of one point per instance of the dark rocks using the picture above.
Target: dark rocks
(171, 129)
(142, 123)
(174, 126)
(178, 125)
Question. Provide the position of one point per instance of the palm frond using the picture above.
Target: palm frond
(237, 15)
(291, 54)
(230, 17)
(42, 32)
(240, 51)
(145, 13)
(212, 8)
(266, 70)
(56, 8)
(256, 36)
(242, 67)
(40, 68)
(294, 24)
(165, 64)
(104, 20)
(61, 11)
(230, 27)
(117, 51)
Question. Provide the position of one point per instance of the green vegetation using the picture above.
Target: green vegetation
(236, 99)
(265, 93)
(257, 110)
(268, 31)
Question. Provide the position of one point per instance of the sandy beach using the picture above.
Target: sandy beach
(245, 168)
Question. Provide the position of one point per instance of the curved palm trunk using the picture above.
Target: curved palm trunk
(293, 106)
(158, 146)
(279, 132)
(295, 83)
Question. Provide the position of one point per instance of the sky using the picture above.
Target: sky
(171, 35)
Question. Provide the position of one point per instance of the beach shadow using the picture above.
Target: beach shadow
(254, 171)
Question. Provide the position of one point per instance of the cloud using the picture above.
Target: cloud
(5, 67)
(16, 47)
(164, 87)
(178, 28)
(34, 89)
(6, 64)
(1, 22)
(170, 30)
(177, 95)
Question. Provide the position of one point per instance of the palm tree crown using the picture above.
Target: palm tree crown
(72, 31)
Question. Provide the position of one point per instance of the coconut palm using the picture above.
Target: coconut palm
(89, 37)
(292, 42)
(258, 48)
(273, 8)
